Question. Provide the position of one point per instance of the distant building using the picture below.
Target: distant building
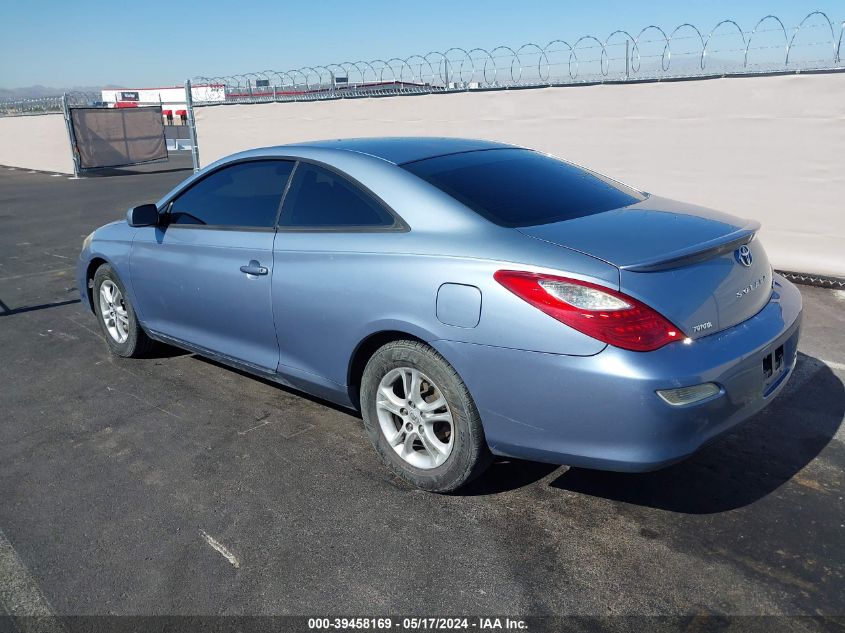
(170, 98)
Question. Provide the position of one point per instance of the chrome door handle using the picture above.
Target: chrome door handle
(254, 268)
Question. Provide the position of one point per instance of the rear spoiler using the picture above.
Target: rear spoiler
(697, 252)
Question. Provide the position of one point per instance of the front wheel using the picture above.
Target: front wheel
(421, 418)
(117, 318)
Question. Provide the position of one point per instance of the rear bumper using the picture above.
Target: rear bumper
(602, 411)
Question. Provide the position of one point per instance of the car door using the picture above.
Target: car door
(327, 271)
(203, 276)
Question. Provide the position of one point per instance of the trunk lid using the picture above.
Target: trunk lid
(681, 259)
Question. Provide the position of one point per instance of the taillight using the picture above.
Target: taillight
(604, 314)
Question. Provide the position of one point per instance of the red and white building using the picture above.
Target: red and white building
(170, 98)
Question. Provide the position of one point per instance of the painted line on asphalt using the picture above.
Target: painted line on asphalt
(20, 596)
(833, 364)
(219, 547)
(85, 327)
(146, 402)
(263, 420)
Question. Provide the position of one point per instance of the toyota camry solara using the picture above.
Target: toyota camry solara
(470, 298)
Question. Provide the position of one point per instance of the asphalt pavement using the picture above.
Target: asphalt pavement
(174, 485)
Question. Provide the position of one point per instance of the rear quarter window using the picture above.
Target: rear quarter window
(520, 187)
(319, 198)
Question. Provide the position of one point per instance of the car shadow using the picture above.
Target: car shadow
(108, 172)
(175, 162)
(163, 350)
(731, 472)
(739, 468)
(273, 383)
(505, 475)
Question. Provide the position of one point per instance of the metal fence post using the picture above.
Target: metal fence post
(74, 153)
(192, 129)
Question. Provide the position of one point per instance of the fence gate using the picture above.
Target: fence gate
(115, 137)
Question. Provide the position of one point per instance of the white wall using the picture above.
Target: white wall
(769, 148)
(36, 142)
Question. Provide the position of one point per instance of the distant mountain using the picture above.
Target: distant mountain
(33, 92)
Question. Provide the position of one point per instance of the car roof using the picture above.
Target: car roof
(404, 149)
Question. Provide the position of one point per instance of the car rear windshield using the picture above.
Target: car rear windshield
(520, 187)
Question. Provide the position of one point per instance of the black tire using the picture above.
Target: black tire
(469, 455)
(137, 343)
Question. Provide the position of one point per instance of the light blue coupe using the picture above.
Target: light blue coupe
(470, 298)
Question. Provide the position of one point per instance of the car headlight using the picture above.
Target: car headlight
(87, 241)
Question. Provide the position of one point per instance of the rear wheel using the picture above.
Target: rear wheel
(421, 418)
(120, 326)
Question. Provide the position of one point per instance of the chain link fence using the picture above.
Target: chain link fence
(48, 105)
(652, 53)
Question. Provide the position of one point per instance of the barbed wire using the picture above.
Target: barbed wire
(652, 53)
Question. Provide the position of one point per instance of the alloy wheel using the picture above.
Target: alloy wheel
(113, 311)
(415, 418)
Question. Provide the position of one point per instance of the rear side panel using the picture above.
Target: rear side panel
(325, 302)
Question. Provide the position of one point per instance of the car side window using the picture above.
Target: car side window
(320, 198)
(244, 195)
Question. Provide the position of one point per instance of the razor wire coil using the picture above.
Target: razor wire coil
(652, 53)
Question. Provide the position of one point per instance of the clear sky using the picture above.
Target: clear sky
(153, 42)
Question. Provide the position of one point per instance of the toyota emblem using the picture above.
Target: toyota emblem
(743, 255)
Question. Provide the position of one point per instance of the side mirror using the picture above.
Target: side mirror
(143, 215)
